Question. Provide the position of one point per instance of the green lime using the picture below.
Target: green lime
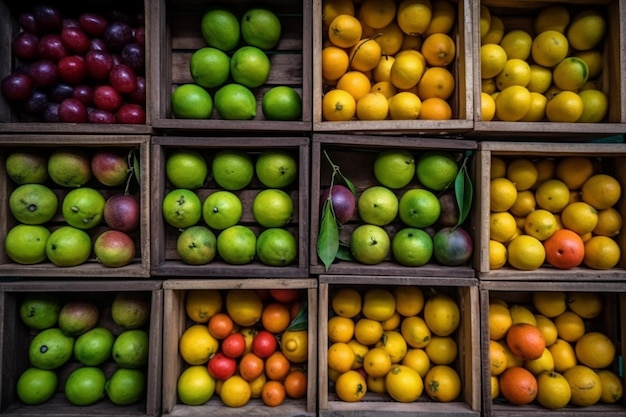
(33, 203)
(235, 102)
(419, 208)
(130, 349)
(236, 245)
(276, 247)
(195, 386)
(94, 347)
(69, 167)
(276, 168)
(377, 205)
(83, 207)
(190, 101)
(126, 386)
(222, 209)
(272, 208)
(85, 386)
(369, 244)
(186, 169)
(232, 169)
(250, 66)
(40, 310)
(36, 386)
(26, 244)
(27, 167)
(260, 28)
(436, 169)
(209, 67)
(394, 168)
(220, 29)
(196, 245)
(181, 208)
(282, 103)
(68, 246)
(50, 349)
(412, 247)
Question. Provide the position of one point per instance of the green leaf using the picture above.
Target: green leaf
(136, 169)
(328, 238)
(464, 192)
(344, 253)
(299, 322)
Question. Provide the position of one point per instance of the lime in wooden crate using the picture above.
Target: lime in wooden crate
(266, 367)
(230, 206)
(244, 66)
(423, 66)
(75, 206)
(396, 205)
(405, 347)
(573, 88)
(75, 70)
(549, 212)
(556, 349)
(72, 348)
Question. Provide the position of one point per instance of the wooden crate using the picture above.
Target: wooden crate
(465, 292)
(610, 322)
(613, 158)
(165, 260)
(176, 31)
(176, 321)
(355, 156)
(16, 337)
(519, 14)
(461, 101)
(12, 121)
(140, 265)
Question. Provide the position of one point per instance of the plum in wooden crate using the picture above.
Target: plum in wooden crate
(78, 208)
(407, 346)
(273, 346)
(573, 366)
(247, 210)
(400, 220)
(67, 352)
(584, 63)
(245, 66)
(546, 211)
(75, 69)
(433, 96)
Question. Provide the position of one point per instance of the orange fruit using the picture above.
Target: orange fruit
(435, 108)
(601, 252)
(295, 384)
(277, 366)
(365, 55)
(518, 385)
(333, 8)
(275, 317)
(377, 13)
(601, 191)
(574, 171)
(564, 249)
(335, 63)
(356, 83)
(436, 82)
(390, 38)
(221, 325)
(338, 105)
(438, 49)
(345, 31)
(250, 366)
(273, 393)
(525, 340)
(201, 305)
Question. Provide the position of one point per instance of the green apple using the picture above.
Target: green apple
(83, 207)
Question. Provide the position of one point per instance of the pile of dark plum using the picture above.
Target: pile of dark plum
(78, 66)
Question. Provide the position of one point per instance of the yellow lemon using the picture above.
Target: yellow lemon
(340, 329)
(365, 55)
(333, 8)
(500, 320)
(351, 386)
(498, 167)
(547, 328)
(201, 305)
(526, 253)
(368, 331)
(372, 106)
(549, 48)
(569, 326)
(418, 360)
(495, 32)
(383, 69)
(359, 350)
(552, 195)
(415, 331)
(338, 105)
(579, 217)
(595, 350)
(502, 194)
(522, 172)
(563, 355)
(540, 224)
(436, 82)
(411, 42)
(409, 300)
(497, 358)
(407, 69)
(601, 191)
(413, 16)
(601, 252)
(549, 303)
(443, 17)
(502, 227)
(565, 107)
(542, 364)
(345, 31)
(516, 43)
(492, 60)
(513, 103)
(524, 204)
(487, 107)
(570, 74)
(378, 304)
(488, 86)
(442, 350)
(340, 357)
(346, 302)
(555, 17)
(244, 306)
(377, 362)
(515, 72)
(195, 386)
(595, 106)
(196, 345)
(521, 314)
(377, 13)
(586, 29)
(385, 88)
(587, 305)
(497, 254)
(609, 223)
(485, 20)
(540, 79)
(585, 385)
(442, 314)
(594, 60)
(545, 169)
(553, 390)
(574, 171)
(537, 111)
(392, 323)
(495, 386)
(376, 384)
(403, 384)
(442, 383)
(612, 386)
(405, 106)
(394, 344)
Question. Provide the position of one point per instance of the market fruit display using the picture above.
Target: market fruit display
(247, 344)
(552, 348)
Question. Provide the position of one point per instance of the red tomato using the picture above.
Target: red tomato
(234, 345)
(285, 295)
(222, 367)
(264, 344)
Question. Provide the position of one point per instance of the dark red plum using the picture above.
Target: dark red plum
(98, 116)
(48, 18)
(132, 114)
(17, 87)
(51, 47)
(69, 22)
(140, 36)
(72, 110)
(133, 55)
(75, 40)
(99, 64)
(344, 203)
(51, 113)
(72, 69)
(60, 92)
(139, 95)
(36, 104)
(93, 23)
(452, 246)
(123, 78)
(117, 35)
(98, 44)
(84, 93)
(122, 212)
(25, 46)
(28, 23)
(107, 98)
(44, 73)
(109, 167)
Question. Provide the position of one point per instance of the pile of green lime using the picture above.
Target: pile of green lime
(232, 64)
(219, 224)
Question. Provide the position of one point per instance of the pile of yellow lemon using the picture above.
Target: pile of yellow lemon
(532, 199)
(549, 72)
(395, 341)
(577, 364)
(387, 60)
